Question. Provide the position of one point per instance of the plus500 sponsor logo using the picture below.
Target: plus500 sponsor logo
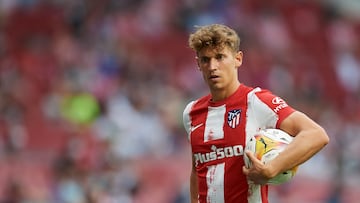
(218, 153)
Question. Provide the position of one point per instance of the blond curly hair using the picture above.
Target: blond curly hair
(215, 36)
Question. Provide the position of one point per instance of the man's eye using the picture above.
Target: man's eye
(204, 60)
(219, 56)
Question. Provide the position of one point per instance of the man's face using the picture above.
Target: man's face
(219, 67)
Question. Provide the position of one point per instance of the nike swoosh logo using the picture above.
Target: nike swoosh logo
(193, 128)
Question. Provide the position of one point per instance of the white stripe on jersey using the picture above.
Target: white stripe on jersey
(215, 183)
(214, 127)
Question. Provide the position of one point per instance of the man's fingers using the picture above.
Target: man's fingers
(254, 173)
(245, 170)
(251, 156)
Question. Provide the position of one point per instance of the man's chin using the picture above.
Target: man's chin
(216, 86)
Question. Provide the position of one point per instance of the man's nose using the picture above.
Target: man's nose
(214, 64)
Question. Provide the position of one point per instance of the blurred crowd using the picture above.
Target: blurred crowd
(92, 93)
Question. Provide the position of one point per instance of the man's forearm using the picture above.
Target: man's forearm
(302, 149)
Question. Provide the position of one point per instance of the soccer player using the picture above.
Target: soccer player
(219, 124)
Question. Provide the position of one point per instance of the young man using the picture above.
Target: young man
(219, 124)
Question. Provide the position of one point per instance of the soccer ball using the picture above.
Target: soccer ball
(266, 145)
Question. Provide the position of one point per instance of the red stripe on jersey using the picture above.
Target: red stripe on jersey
(264, 193)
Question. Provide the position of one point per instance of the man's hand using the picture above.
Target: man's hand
(258, 172)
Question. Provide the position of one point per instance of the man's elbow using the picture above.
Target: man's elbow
(323, 137)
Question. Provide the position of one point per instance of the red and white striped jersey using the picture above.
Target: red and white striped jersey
(217, 132)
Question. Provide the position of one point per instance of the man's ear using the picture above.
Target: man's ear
(197, 62)
(239, 58)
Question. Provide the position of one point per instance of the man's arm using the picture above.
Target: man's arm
(309, 139)
(193, 184)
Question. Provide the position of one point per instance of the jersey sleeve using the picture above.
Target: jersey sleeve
(275, 109)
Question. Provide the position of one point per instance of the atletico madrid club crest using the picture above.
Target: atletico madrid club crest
(234, 118)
